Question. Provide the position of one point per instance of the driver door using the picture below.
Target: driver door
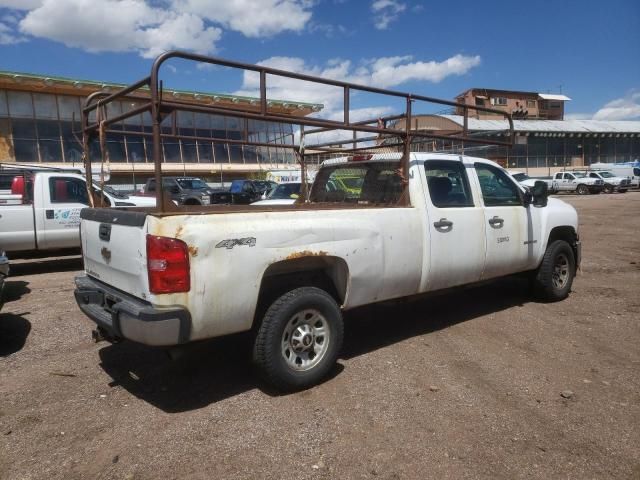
(512, 228)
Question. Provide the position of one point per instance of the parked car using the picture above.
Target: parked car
(182, 190)
(4, 273)
(283, 194)
(241, 192)
(578, 182)
(612, 183)
(288, 275)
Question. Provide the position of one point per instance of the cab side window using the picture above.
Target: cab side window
(448, 184)
(67, 190)
(497, 188)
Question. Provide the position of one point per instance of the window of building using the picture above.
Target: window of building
(20, 104)
(448, 184)
(480, 101)
(498, 101)
(45, 106)
(4, 108)
(531, 104)
(555, 104)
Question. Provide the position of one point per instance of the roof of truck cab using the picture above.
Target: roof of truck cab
(415, 156)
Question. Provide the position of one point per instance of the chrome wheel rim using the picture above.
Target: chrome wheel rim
(305, 340)
(560, 273)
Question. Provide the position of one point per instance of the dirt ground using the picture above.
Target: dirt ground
(466, 385)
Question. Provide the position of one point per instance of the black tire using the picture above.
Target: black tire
(624, 190)
(554, 277)
(282, 331)
(608, 189)
(582, 189)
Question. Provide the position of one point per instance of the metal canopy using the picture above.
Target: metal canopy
(148, 92)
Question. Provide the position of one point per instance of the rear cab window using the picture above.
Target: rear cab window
(373, 183)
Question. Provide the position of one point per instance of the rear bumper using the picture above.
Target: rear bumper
(125, 316)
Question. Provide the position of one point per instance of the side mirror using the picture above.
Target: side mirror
(539, 194)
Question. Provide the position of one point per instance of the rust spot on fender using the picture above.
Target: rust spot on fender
(193, 250)
(179, 231)
(306, 253)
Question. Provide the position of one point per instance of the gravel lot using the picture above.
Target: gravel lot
(466, 385)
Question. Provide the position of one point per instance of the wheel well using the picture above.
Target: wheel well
(328, 273)
(566, 233)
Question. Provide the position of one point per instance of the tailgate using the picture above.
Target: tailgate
(114, 248)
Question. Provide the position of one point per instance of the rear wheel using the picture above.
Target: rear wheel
(624, 190)
(299, 339)
(582, 190)
(554, 277)
(608, 189)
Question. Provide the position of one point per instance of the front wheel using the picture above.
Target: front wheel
(582, 190)
(554, 277)
(608, 189)
(299, 339)
(624, 190)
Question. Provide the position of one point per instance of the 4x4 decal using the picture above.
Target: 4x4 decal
(232, 242)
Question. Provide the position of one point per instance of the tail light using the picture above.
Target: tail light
(168, 265)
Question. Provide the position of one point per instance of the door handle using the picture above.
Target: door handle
(496, 222)
(443, 224)
(49, 214)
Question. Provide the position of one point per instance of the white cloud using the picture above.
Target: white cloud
(381, 72)
(21, 4)
(252, 18)
(150, 27)
(385, 12)
(625, 108)
(118, 26)
(8, 36)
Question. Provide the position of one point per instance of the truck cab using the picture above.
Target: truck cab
(578, 182)
(42, 209)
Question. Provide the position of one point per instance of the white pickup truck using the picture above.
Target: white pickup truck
(287, 272)
(578, 182)
(612, 183)
(43, 210)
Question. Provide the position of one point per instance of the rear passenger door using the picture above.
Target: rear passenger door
(509, 225)
(455, 226)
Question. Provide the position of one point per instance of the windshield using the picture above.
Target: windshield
(606, 174)
(191, 183)
(284, 191)
(579, 174)
(520, 176)
(111, 191)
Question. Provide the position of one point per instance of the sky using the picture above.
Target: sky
(586, 49)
